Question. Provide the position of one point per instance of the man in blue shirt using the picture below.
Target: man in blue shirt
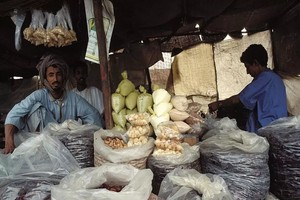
(50, 104)
(265, 96)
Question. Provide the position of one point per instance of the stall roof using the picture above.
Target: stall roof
(138, 20)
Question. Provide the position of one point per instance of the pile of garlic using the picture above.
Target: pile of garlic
(139, 130)
(168, 139)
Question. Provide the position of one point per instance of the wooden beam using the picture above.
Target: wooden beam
(104, 68)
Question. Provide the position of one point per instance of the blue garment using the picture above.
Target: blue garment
(266, 98)
(71, 106)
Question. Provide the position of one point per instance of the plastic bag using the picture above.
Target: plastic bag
(241, 159)
(215, 126)
(22, 187)
(77, 138)
(189, 154)
(120, 155)
(162, 165)
(43, 154)
(284, 138)
(238, 139)
(18, 18)
(179, 184)
(36, 33)
(85, 183)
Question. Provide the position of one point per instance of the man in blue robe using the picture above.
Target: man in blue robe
(265, 96)
(49, 104)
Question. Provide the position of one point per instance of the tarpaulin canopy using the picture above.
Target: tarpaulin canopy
(176, 23)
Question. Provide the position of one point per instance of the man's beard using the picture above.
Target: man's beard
(57, 89)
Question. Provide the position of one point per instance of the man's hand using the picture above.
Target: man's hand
(213, 106)
(9, 138)
(9, 147)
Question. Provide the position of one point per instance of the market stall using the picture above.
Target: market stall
(159, 140)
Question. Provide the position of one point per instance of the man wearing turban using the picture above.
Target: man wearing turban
(49, 104)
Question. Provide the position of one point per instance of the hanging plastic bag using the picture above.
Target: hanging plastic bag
(18, 18)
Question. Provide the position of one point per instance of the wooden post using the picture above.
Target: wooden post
(105, 82)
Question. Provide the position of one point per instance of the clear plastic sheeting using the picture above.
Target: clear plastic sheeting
(29, 188)
(182, 184)
(38, 163)
(284, 138)
(241, 159)
(162, 165)
(77, 138)
(86, 183)
(43, 154)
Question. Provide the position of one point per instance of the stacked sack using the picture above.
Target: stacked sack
(161, 106)
(170, 153)
(239, 157)
(128, 100)
(168, 139)
(139, 130)
(284, 138)
(178, 114)
(118, 100)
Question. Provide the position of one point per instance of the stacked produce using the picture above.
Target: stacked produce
(58, 31)
(126, 101)
(139, 130)
(117, 147)
(118, 100)
(161, 106)
(144, 100)
(115, 142)
(178, 114)
(168, 140)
